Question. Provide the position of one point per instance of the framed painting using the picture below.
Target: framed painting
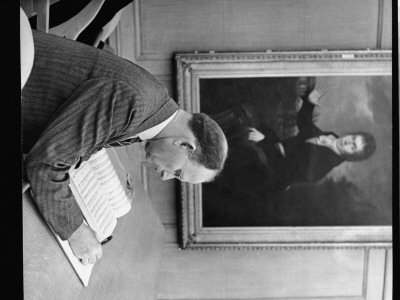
(310, 149)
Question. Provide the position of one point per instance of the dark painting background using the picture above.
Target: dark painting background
(351, 194)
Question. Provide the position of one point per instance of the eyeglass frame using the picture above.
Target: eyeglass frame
(179, 177)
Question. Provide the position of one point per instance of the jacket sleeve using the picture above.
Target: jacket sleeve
(305, 122)
(99, 109)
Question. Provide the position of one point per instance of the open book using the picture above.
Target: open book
(101, 198)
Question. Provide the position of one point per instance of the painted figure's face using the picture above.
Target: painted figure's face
(350, 144)
(170, 158)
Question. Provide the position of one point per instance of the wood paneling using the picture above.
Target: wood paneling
(253, 25)
(153, 30)
(163, 197)
(251, 274)
(388, 276)
(387, 24)
(123, 39)
(171, 235)
(375, 274)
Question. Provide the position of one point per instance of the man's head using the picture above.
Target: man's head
(191, 148)
(356, 146)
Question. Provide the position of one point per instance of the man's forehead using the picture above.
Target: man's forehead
(359, 138)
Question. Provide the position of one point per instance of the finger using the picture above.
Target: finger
(84, 261)
(92, 260)
(323, 90)
(99, 254)
(318, 87)
(323, 93)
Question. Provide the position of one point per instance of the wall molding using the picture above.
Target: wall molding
(380, 24)
(138, 36)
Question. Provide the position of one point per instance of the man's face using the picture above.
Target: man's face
(350, 144)
(170, 158)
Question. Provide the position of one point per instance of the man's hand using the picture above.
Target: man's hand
(255, 135)
(317, 94)
(85, 246)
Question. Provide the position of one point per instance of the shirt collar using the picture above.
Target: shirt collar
(153, 131)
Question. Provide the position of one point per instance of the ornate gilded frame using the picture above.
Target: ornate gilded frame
(191, 67)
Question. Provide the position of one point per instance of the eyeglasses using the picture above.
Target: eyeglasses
(179, 176)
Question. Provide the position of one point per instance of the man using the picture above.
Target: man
(79, 99)
(312, 153)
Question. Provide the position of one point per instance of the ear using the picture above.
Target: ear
(185, 143)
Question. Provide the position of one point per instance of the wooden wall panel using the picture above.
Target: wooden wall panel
(341, 24)
(153, 30)
(123, 38)
(171, 235)
(163, 196)
(388, 289)
(254, 25)
(251, 274)
(375, 277)
(387, 24)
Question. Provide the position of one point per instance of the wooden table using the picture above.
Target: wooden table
(127, 270)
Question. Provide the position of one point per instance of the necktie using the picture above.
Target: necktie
(123, 143)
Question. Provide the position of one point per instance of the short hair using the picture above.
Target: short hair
(211, 145)
(368, 149)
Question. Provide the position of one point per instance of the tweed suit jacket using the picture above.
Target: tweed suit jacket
(76, 100)
(303, 161)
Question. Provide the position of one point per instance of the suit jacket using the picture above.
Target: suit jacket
(303, 161)
(76, 100)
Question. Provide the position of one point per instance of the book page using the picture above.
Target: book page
(109, 181)
(92, 201)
